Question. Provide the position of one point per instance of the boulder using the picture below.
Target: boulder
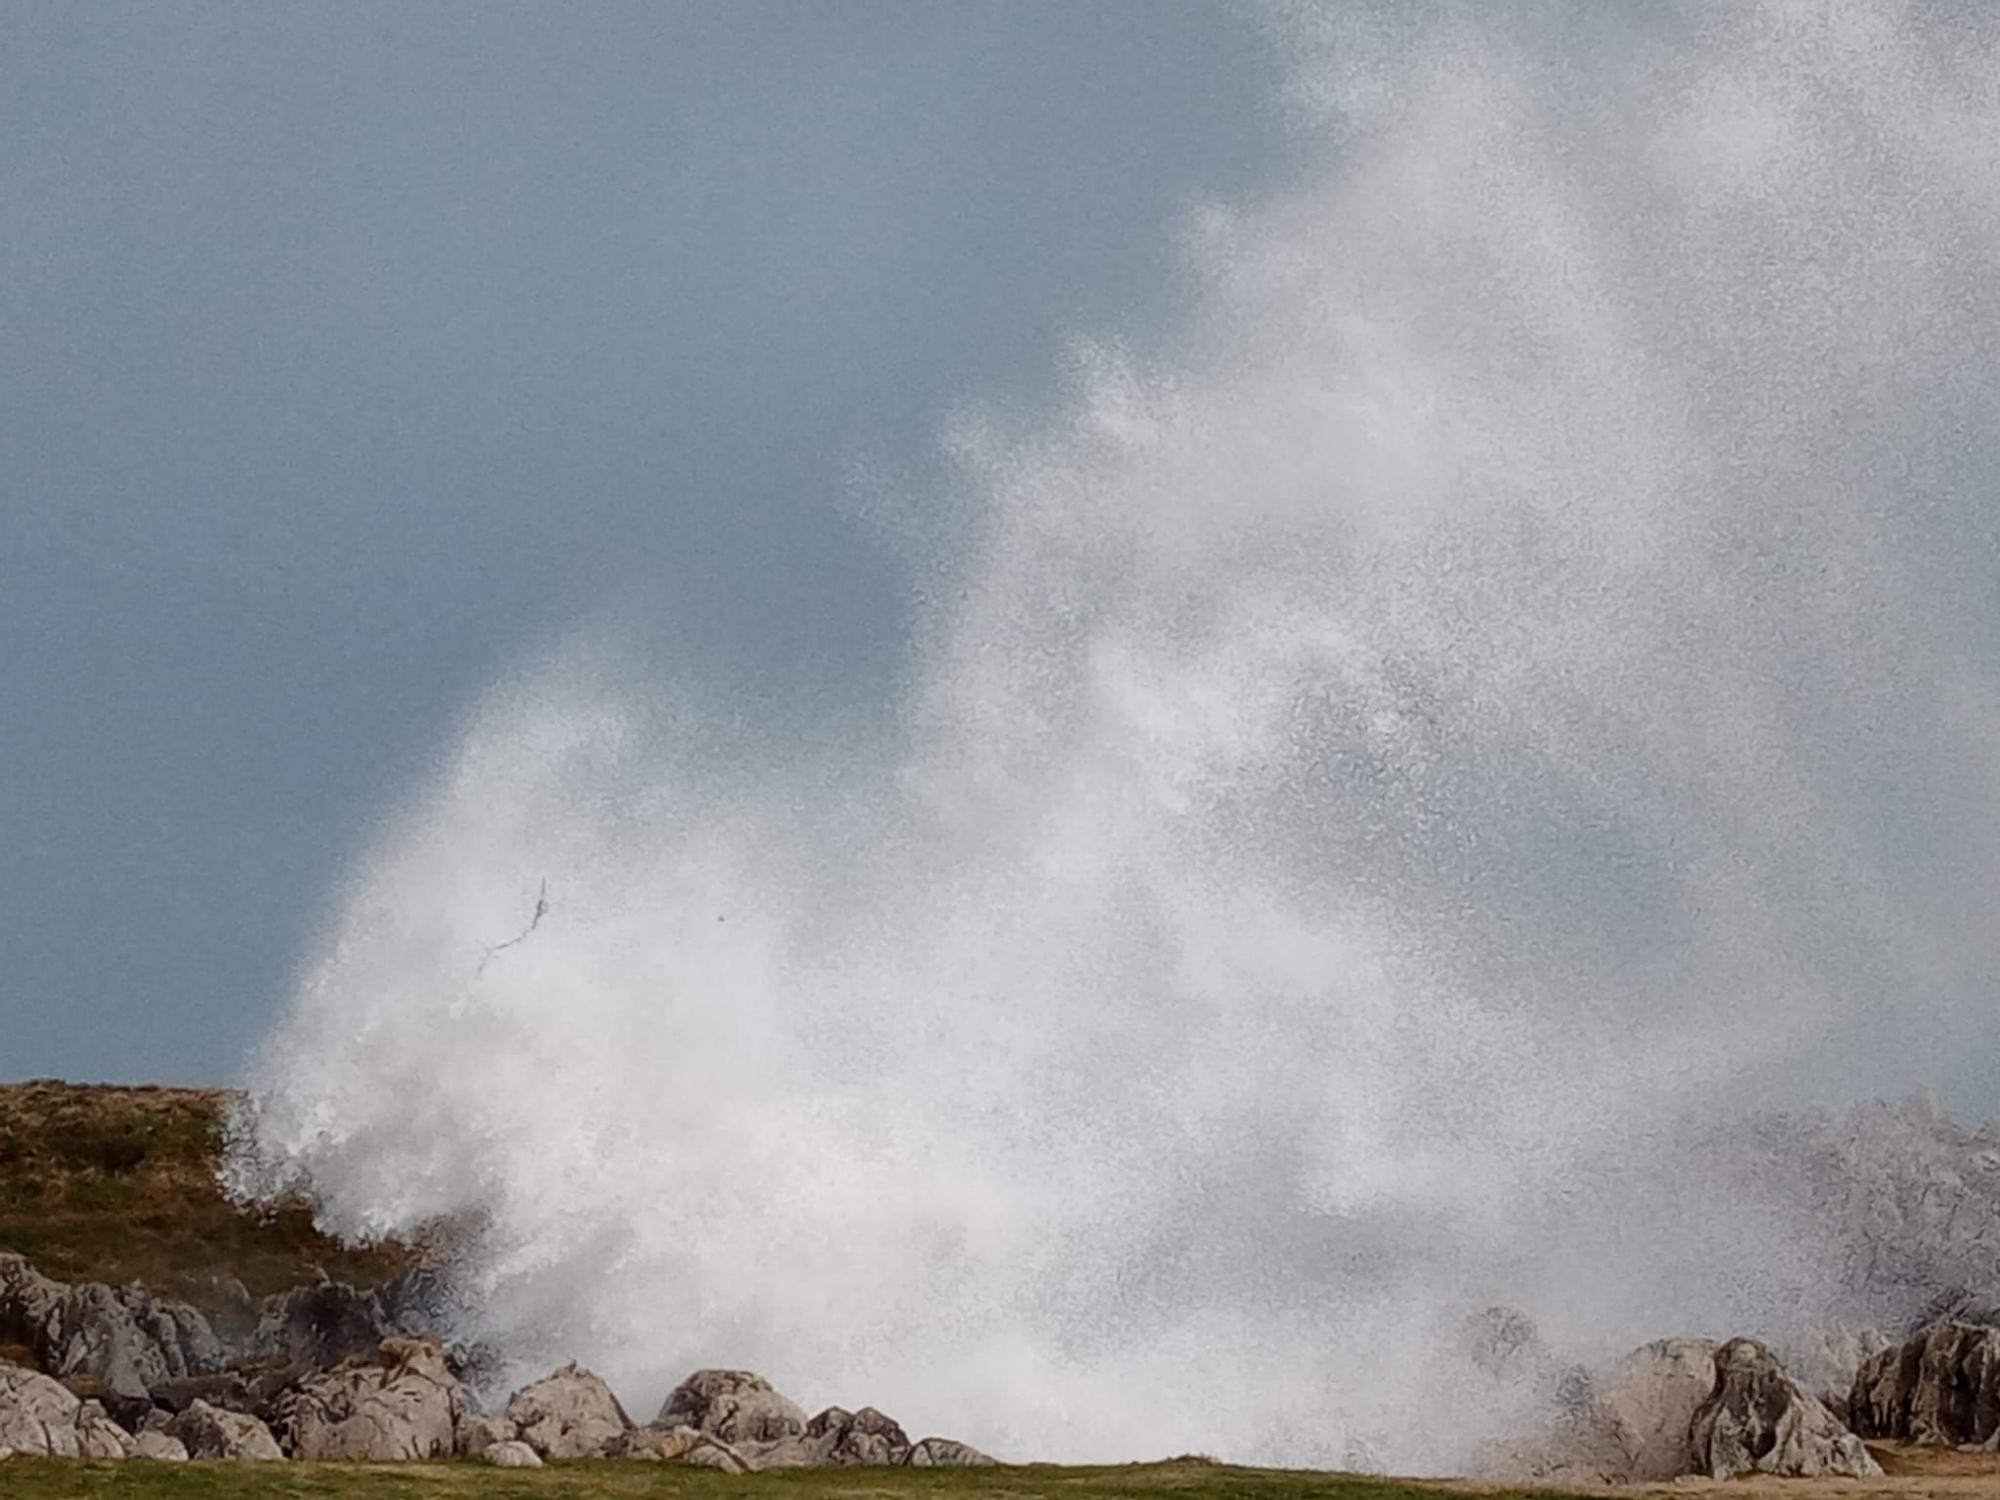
(319, 1326)
(478, 1431)
(37, 1414)
(26, 1297)
(1939, 1388)
(733, 1406)
(210, 1432)
(946, 1453)
(857, 1437)
(122, 1340)
(712, 1453)
(1758, 1420)
(656, 1443)
(512, 1454)
(569, 1414)
(97, 1436)
(160, 1448)
(406, 1405)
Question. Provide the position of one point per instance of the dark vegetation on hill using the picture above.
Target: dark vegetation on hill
(110, 1183)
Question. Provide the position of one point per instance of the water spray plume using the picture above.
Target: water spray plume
(1390, 779)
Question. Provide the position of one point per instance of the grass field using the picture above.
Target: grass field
(56, 1480)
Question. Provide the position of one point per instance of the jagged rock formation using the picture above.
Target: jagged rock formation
(856, 1438)
(37, 1415)
(406, 1405)
(946, 1453)
(121, 1340)
(733, 1406)
(1758, 1420)
(210, 1432)
(1940, 1388)
(568, 1414)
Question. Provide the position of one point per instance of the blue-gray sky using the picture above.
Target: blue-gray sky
(348, 352)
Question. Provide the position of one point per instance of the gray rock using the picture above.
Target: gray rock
(319, 1326)
(404, 1406)
(160, 1448)
(479, 1431)
(857, 1437)
(97, 1436)
(37, 1414)
(1758, 1420)
(568, 1414)
(512, 1454)
(210, 1432)
(1826, 1360)
(1630, 1424)
(733, 1406)
(1938, 1388)
(946, 1453)
(26, 1298)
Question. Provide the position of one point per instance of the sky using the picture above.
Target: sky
(351, 353)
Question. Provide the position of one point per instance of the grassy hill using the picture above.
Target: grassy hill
(102, 1182)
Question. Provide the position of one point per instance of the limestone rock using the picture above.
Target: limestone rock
(512, 1454)
(654, 1442)
(569, 1414)
(857, 1437)
(733, 1406)
(946, 1453)
(1631, 1424)
(160, 1448)
(1940, 1388)
(37, 1414)
(1758, 1420)
(479, 1431)
(404, 1406)
(319, 1326)
(97, 1436)
(210, 1432)
(26, 1298)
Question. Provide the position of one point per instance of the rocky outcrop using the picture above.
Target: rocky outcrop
(97, 1436)
(946, 1453)
(37, 1414)
(478, 1431)
(26, 1299)
(118, 1342)
(734, 1407)
(844, 1437)
(404, 1405)
(319, 1326)
(568, 1414)
(1758, 1420)
(511, 1454)
(1939, 1388)
(210, 1432)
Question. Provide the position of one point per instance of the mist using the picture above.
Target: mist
(1381, 774)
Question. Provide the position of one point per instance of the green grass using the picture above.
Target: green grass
(50, 1479)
